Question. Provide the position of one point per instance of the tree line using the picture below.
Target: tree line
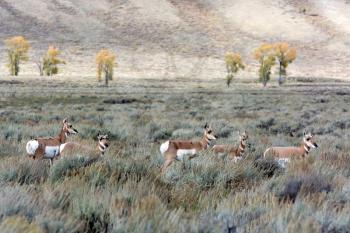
(17, 48)
(266, 54)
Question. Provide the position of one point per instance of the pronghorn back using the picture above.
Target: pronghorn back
(179, 149)
(49, 147)
(233, 152)
(293, 151)
(72, 148)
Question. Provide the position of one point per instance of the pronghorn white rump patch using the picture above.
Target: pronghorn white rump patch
(32, 146)
(51, 151)
(164, 147)
(182, 152)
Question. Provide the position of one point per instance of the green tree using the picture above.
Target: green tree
(105, 63)
(284, 55)
(17, 49)
(233, 65)
(266, 58)
(51, 61)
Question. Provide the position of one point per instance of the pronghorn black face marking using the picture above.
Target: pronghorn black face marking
(208, 132)
(68, 128)
(309, 141)
(103, 142)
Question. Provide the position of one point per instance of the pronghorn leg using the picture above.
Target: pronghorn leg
(51, 162)
(166, 164)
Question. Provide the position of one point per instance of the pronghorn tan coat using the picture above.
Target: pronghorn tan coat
(72, 147)
(234, 153)
(178, 149)
(50, 148)
(293, 152)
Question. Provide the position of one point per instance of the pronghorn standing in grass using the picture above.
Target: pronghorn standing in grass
(49, 148)
(234, 153)
(285, 154)
(179, 149)
(71, 147)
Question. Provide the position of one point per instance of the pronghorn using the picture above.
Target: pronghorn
(234, 153)
(49, 148)
(70, 147)
(284, 154)
(178, 149)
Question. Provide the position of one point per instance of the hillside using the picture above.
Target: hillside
(180, 37)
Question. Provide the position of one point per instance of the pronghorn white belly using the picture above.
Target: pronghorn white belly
(51, 151)
(236, 159)
(283, 162)
(32, 146)
(181, 153)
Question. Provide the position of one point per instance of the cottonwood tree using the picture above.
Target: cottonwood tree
(233, 65)
(50, 62)
(266, 57)
(284, 56)
(17, 49)
(105, 63)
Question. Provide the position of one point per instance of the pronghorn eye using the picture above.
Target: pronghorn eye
(209, 131)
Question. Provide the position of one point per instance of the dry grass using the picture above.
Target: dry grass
(125, 192)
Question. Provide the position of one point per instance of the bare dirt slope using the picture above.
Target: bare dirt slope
(182, 37)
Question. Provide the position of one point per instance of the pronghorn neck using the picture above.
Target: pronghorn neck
(241, 147)
(305, 147)
(62, 136)
(205, 142)
(102, 148)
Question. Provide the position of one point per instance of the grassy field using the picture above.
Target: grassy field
(125, 192)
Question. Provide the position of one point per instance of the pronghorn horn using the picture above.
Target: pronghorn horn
(206, 125)
(65, 121)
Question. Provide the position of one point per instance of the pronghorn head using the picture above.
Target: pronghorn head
(68, 128)
(208, 133)
(243, 137)
(103, 142)
(309, 140)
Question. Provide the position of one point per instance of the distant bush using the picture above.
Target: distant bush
(284, 55)
(265, 55)
(233, 65)
(304, 185)
(50, 62)
(105, 63)
(17, 50)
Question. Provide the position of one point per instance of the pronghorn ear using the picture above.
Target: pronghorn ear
(304, 133)
(65, 121)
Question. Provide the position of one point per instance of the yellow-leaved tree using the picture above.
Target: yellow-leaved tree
(233, 65)
(284, 55)
(105, 63)
(17, 49)
(51, 61)
(266, 57)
